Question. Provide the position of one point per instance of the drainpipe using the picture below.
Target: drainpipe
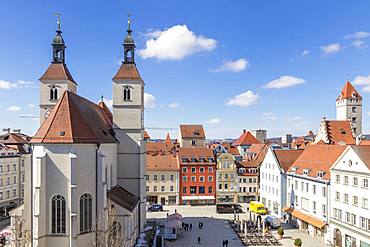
(96, 192)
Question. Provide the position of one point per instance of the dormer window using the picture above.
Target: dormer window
(184, 159)
(193, 159)
(294, 169)
(320, 174)
(306, 171)
(196, 133)
(202, 160)
(126, 94)
(210, 159)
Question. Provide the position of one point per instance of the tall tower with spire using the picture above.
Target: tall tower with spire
(349, 107)
(128, 119)
(56, 78)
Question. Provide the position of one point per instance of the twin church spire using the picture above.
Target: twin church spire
(59, 46)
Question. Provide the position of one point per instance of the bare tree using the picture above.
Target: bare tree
(21, 236)
(108, 230)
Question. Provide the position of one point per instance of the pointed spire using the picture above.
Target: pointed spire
(168, 139)
(129, 44)
(101, 98)
(58, 44)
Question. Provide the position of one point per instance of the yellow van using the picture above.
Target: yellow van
(257, 207)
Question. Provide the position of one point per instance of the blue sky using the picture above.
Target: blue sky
(277, 65)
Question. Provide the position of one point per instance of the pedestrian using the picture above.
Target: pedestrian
(198, 240)
(226, 242)
(223, 243)
(191, 226)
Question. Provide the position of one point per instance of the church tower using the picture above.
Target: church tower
(349, 107)
(128, 119)
(56, 78)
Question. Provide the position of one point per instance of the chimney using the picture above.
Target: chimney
(7, 130)
(244, 131)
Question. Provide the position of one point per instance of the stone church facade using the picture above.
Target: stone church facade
(86, 159)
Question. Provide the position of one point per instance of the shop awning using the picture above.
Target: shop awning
(304, 217)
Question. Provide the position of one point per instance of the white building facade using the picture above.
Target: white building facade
(273, 184)
(350, 196)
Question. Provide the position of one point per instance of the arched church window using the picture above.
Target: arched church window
(55, 94)
(58, 215)
(85, 213)
(51, 94)
(126, 94)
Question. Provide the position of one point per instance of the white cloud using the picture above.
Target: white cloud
(14, 108)
(214, 121)
(19, 84)
(330, 48)
(363, 81)
(358, 35)
(247, 98)
(359, 44)
(149, 100)
(269, 116)
(31, 105)
(175, 43)
(233, 66)
(284, 81)
(305, 52)
(174, 105)
(6, 85)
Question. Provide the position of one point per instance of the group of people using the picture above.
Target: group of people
(225, 243)
(186, 226)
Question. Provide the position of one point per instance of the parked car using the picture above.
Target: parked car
(273, 221)
(228, 208)
(155, 208)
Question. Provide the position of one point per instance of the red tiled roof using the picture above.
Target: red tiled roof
(107, 112)
(192, 131)
(127, 71)
(259, 152)
(13, 138)
(57, 71)
(75, 120)
(317, 158)
(364, 142)
(339, 131)
(348, 92)
(286, 157)
(168, 139)
(161, 162)
(196, 153)
(246, 139)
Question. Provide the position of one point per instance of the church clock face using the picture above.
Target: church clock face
(47, 113)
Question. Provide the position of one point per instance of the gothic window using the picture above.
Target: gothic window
(126, 94)
(85, 213)
(58, 215)
(53, 93)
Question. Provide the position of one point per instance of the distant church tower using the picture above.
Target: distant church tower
(128, 119)
(349, 107)
(56, 78)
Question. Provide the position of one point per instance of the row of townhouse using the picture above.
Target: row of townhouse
(189, 172)
(325, 189)
(14, 157)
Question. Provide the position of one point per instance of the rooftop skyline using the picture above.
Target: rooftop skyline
(273, 65)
